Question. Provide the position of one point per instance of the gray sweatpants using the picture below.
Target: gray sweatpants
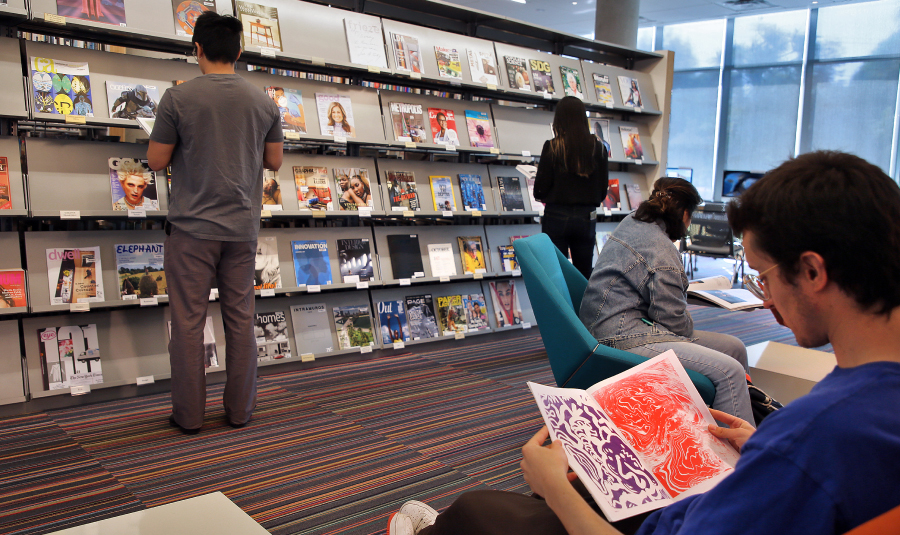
(191, 264)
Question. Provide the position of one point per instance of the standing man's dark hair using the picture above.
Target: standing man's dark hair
(219, 35)
(670, 199)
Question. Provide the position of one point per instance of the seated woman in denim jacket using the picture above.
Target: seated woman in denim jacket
(636, 299)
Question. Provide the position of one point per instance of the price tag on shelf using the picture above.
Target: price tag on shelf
(292, 135)
(517, 273)
(314, 289)
(410, 144)
(639, 162)
(351, 278)
(365, 212)
(374, 69)
(54, 19)
(445, 278)
(266, 51)
(415, 76)
(130, 297)
(459, 336)
(145, 380)
(618, 206)
(365, 349)
(267, 292)
(476, 213)
(307, 357)
(70, 214)
(399, 344)
(495, 150)
(548, 96)
(607, 211)
(526, 153)
(149, 301)
(340, 139)
(456, 83)
(319, 214)
(317, 61)
(213, 294)
(446, 213)
(492, 87)
(79, 307)
(408, 213)
(265, 214)
(450, 148)
(76, 119)
(137, 213)
(609, 105)
(80, 390)
(638, 109)
(405, 282)
(478, 276)
(418, 274)
(526, 325)
(362, 285)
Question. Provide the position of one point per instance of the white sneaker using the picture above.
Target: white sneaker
(400, 524)
(419, 513)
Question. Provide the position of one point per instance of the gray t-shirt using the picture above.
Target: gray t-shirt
(219, 124)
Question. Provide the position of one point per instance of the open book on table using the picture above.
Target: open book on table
(639, 440)
(718, 290)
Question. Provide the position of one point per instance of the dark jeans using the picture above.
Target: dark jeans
(571, 229)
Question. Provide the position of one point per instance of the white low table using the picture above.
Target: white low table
(210, 514)
(787, 372)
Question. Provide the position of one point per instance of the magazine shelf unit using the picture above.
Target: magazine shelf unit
(58, 173)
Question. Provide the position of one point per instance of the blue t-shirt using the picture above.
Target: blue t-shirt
(826, 463)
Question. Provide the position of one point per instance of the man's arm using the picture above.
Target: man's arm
(273, 156)
(159, 155)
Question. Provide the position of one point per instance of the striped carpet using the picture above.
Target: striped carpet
(331, 450)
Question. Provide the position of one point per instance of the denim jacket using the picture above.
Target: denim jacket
(638, 276)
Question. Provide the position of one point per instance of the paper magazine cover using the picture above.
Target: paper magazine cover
(267, 273)
(408, 122)
(335, 115)
(271, 197)
(631, 142)
(476, 312)
(406, 256)
(719, 291)
(508, 258)
(600, 127)
(130, 101)
(421, 317)
(471, 253)
(612, 200)
(407, 56)
(517, 73)
(603, 89)
(365, 41)
(442, 260)
(75, 275)
(443, 126)
(626, 437)
(402, 193)
(311, 264)
(210, 358)
(392, 317)
(354, 326)
(511, 193)
(354, 188)
(505, 301)
(630, 91)
(448, 62)
(186, 13)
(635, 198)
(478, 124)
(313, 192)
(571, 80)
(5, 190)
(107, 11)
(132, 184)
(482, 67)
(140, 269)
(13, 293)
(355, 259)
(70, 356)
(61, 87)
(312, 328)
(271, 332)
(442, 193)
(452, 313)
(290, 106)
(543, 76)
(472, 192)
(260, 25)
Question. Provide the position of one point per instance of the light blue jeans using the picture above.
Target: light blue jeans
(720, 357)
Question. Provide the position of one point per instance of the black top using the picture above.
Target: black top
(554, 185)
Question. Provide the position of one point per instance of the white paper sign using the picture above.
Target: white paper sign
(79, 307)
(526, 325)
(446, 213)
(70, 214)
(138, 213)
(314, 288)
(445, 278)
(149, 301)
(362, 285)
(267, 292)
(351, 278)
(459, 336)
(365, 349)
(399, 344)
(404, 282)
(81, 390)
(307, 357)
(131, 297)
(146, 380)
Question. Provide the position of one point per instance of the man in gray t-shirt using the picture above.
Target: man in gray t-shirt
(218, 132)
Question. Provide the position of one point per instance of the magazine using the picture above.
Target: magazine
(530, 174)
(311, 264)
(603, 89)
(290, 106)
(401, 186)
(408, 122)
(355, 259)
(718, 290)
(392, 317)
(406, 256)
(313, 192)
(354, 188)
(267, 273)
(421, 317)
(210, 358)
(571, 80)
(517, 73)
(70, 356)
(472, 192)
(442, 193)
(186, 13)
(482, 67)
(511, 194)
(353, 325)
(271, 332)
(612, 195)
(5, 190)
(335, 115)
(260, 25)
(601, 132)
(634, 460)
(107, 11)
(478, 124)
(312, 328)
(507, 311)
(13, 293)
(443, 263)
(140, 269)
(631, 142)
(132, 184)
(635, 198)
(452, 313)
(365, 41)
(508, 258)
(472, 254)
(476, 312)
(443, 126)
(602, 238)
(271, 198)
(130, 101)
(630, 91)
(543, 76)
(407, 56)
(61, 87)
(448, 62)
(75, 275)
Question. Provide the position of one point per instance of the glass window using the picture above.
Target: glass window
(696, 44)
(773, 38)
(692, 129)
(858, 30)
(645, 38)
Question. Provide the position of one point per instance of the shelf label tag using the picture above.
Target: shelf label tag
(526, 325)
(478, 276)
(449, 147)
(365, 213)
(517, 273)
(266, 51)
(405, 282)
(267, 292)
(55, 19)
(609, 105)
(408, 213)
(307, 357)
(317, 61)
(146, 380)
(446, 213)
(76, 119)
(459, 335)
(265, 214)
(410, 144)
(340, 139)
(374, 69)
(149, 301)
(638, 109)
(319, 214)
(492, 87)
(399, 344)
(362, 285)
(292, 135)
(213, 294)
(548, 96)
(365, 349)
(526, 153)
(314, 288)
(415, 75)
(81, 390)
(476, 213)
(495, 150)
(70, 214)
(138, 213)
(351, 278)
(445, 278)
(130, 297)
(639, 162)
(79, 307)
(607, 211)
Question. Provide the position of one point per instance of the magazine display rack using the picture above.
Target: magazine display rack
(12, 96)
(509, 83)
(11, 384)
(429, 235)
(14, 9)
(10, 259)
(9, 147)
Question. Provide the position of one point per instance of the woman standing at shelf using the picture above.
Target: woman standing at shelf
(572, 179)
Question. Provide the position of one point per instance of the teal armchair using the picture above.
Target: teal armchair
(555, 289)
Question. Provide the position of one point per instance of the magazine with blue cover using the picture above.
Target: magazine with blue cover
(392, 318)
(472, 192)
(311, 264)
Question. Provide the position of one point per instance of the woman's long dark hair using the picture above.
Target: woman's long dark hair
(573, 144)
(668, 201)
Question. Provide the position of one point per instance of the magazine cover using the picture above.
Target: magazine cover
(452, 313)
(543, 77)
(517, 73)
(508, 258)
(402, 191)
(5, 190)
(612, 200)
(408, 122)
(442, 260)
(472, 254)
(271, 197)
(130, 101)
(442, 193)
(355, 259)
(511, 193)
(392, 317)
(140, 268)
(290, 106)
(571, 79)
(75, 275)
(476, 312)
(505, 300)
(12, 288)
(482, 67)
(108, 11)
(354, 188)
(365, 41)
(472, 192)
(630, 91)
(354, 326)
(602, 238)
(267, 273)
(313, 192)
(132, 184)
(406, 256)
(635, 197)
(210, 358)
(271, 332)
(478, 124)
(631, 142)
(600, 128)
(312, 328)
(512, 239)
(61, 87)
(311, 264)
(186, 13)
(260, 25)
(603, 89)
(70, 356)
(448, 62)
(407, 56)
(335, 115)
(421, 317)
(443, 126)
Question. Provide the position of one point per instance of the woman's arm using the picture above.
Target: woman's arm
(668, 304)
(543, 180)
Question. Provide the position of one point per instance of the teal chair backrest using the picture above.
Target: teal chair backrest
(555, 289)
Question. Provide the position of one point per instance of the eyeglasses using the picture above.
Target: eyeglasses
(757, 286)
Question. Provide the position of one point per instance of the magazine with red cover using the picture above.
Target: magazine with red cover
(12, 288)
(5, 192)
(443, 126)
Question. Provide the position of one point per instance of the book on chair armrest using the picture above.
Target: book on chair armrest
(718, 291)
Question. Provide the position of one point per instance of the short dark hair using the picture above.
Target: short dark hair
(670, 197)
(219, 35)
(834, 204)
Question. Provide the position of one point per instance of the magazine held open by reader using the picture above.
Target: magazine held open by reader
(718, 290)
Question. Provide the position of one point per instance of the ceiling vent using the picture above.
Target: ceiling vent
(746, 5)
